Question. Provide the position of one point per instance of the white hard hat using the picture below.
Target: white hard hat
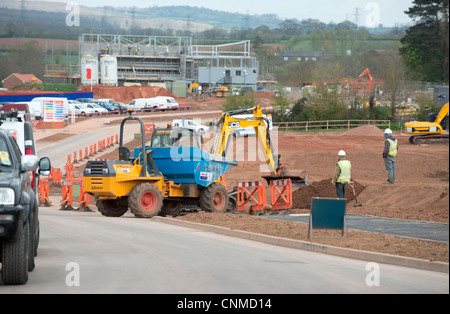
(388, 131)
(341, 153)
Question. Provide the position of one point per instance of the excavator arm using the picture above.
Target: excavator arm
(442, 114)
(228, 123)
(367, 71)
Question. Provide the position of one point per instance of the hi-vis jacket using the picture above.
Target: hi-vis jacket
(390, 147)
(342, 171)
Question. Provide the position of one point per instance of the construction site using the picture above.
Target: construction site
(420, 193)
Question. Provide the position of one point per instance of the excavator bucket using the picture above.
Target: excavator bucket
(298, 177)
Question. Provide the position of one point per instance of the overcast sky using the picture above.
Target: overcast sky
(386, 12)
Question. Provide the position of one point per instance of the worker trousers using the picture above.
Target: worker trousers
(389, 162)
(340, 190)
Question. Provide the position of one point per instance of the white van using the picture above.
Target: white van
(169, 102)
(190, 124)
(139, 103)
(162, 103)
(250, 131)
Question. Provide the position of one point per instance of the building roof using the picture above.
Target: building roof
(25, 78)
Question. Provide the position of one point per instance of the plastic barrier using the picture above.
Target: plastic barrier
(281, 199)
(56, 176)
(44, 189)
(258, 195)
(67, 191)
(84, 199)
(69, 181)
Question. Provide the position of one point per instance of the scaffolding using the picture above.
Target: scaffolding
(164, 58)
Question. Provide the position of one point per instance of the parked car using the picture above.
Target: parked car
(86, 100)
(83, 109)
(121, 106)
(191, 125)
(97, 108)
(107, 100)
(108, 106)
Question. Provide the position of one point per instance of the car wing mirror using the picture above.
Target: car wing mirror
(44, 166)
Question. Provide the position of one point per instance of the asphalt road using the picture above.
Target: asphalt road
(88, 253)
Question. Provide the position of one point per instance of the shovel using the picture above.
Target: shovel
(352, 185)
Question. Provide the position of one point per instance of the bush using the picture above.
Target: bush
(234, 102)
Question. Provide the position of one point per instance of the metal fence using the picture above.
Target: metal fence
(328, 125)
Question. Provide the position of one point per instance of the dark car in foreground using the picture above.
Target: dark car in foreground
(19, 205)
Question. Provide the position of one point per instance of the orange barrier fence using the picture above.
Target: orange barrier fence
(56, 176)
(257, 196)
(281, 199)
(44, 190)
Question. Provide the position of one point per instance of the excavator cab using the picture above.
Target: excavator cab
(432, 131)
(175, 137)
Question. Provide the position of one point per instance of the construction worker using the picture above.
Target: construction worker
(342, 174)
(389, 154)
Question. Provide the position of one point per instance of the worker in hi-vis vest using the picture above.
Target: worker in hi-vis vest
(342, 174)
(389, 153)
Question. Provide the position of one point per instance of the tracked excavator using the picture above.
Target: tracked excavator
(429, 132)
(231, 121)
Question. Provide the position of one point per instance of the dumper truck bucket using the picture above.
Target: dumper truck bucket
(190, 165)
(298, 177)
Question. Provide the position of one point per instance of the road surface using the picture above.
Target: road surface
(87, 253)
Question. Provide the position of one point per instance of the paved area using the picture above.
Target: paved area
(405, 228)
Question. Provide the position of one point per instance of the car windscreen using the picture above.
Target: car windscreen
(5, 155)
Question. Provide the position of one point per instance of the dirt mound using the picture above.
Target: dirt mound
(126, 94)
(302, 197)
(365, 130)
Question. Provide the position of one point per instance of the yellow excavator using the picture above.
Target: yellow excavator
(231, 121)
(194, 92)
(429, 132)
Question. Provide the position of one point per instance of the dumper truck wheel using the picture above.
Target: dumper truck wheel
(112, 208)
(171, 208)
(145, 200)
(214, 199)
